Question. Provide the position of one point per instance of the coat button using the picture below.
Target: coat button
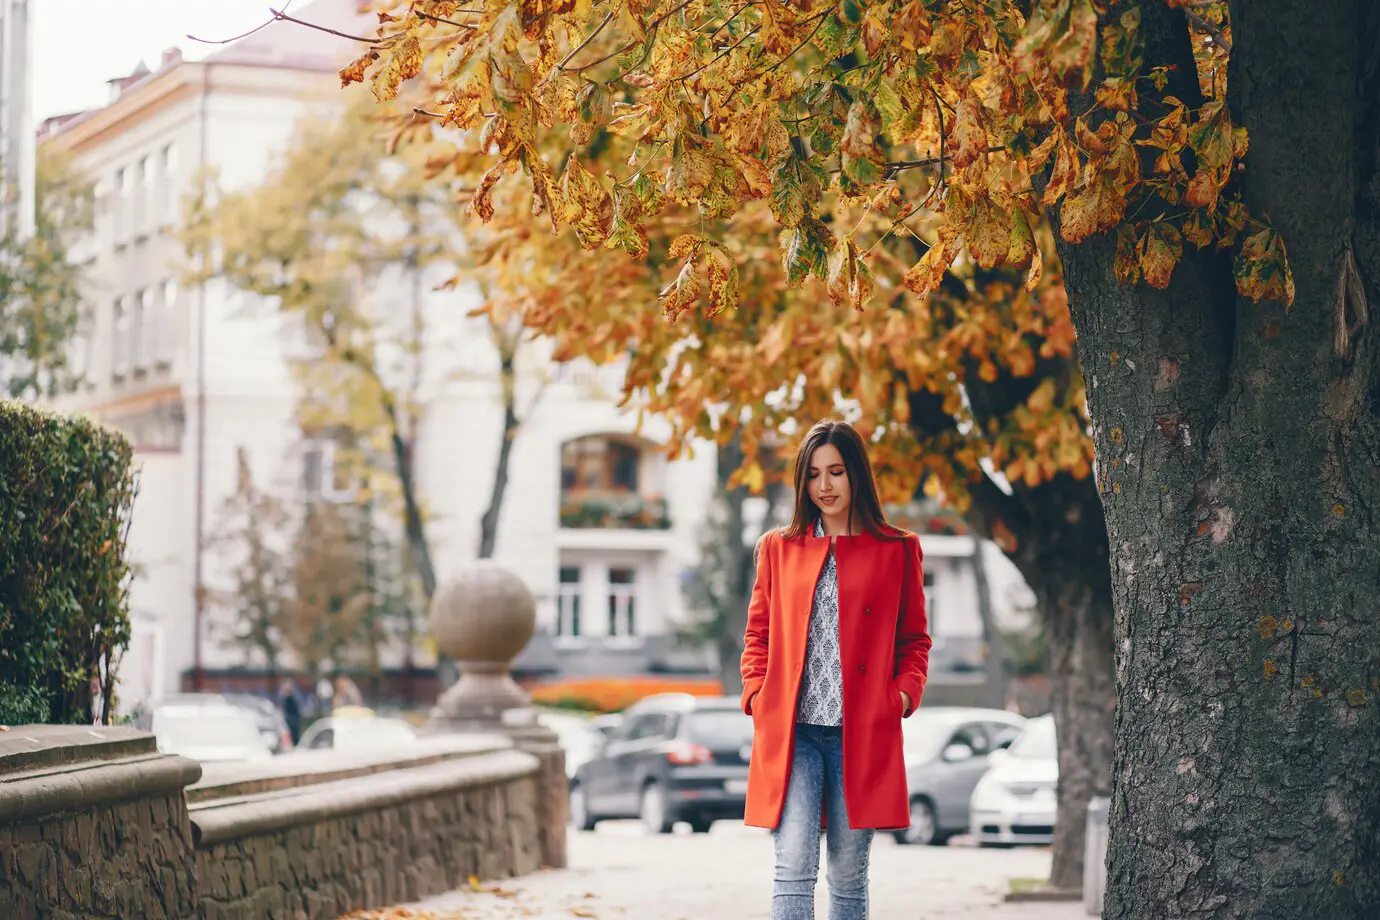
(862, 669)
(867, 611)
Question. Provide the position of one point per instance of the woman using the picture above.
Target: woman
(836, 654)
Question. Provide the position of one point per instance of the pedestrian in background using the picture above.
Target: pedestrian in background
(835, 655)
(347, 692)
(290, 701)
(325, 696)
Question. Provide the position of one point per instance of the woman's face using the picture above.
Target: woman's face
(828, 482)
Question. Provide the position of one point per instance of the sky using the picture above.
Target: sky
(80, 44)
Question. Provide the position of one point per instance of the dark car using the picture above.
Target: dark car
(673, 757)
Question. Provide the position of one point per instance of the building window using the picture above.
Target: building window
(167, 186)
(622, 602)
(169, 325)
(602, 486)
(143, 193)
(119, 212)
(324, 476)
(79, 348)
(599, 465)
(568, 602)
(144, 337)
(119, 339)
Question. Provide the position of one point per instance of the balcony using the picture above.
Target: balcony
(620, 510)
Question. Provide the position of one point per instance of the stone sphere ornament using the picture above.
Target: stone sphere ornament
(482, 618)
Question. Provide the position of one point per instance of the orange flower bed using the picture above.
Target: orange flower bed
(611, 694)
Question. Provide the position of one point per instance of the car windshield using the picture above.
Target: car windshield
(719, 728)
(924, 736)
(361, 734)
(1037, 742)
(204, 727)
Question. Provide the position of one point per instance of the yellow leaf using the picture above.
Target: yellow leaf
(403, 62)
(1159, 250)
(685, 246)
(1262, 268)
(969, 133)
(989, 234)
(925, 275)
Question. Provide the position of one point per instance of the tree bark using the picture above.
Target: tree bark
(1237, 448)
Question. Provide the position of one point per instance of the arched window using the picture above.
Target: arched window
(611, 480)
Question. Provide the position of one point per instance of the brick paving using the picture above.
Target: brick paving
(620, 872)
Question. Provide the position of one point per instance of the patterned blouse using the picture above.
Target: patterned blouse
(821, 682)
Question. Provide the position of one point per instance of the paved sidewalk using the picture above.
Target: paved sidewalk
(620, 872)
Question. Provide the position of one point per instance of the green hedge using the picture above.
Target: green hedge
(66, 488)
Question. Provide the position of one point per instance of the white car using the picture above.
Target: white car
(1015, 801)
(351, 733)
(209, 732)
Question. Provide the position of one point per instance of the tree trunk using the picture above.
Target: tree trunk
(742, 571)
(488, 525)
(1062, 553)
(1077, 609)
(413, 524)
(995, 689)
(1237, 448)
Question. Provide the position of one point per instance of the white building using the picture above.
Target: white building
(193, 376)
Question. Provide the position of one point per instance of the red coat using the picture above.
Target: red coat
(884, 647)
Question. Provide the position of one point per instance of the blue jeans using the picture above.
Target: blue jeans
(816, 778)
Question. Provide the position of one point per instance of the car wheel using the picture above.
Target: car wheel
(580, 818)
(922, 831)
(655, 814)
(701, 825)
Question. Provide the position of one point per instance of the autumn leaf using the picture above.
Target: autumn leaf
(681, 294)
(926, 274)
(722, 273)
(989, 233)
(1262, 269)
(1158, 252)
(969, 133)
(778, 27)
(588, 205)
(402, 61)
(354, 73)
(862, 158)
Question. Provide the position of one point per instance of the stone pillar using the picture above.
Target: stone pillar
(482, 618)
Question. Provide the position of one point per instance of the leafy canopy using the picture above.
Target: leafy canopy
(960, 123)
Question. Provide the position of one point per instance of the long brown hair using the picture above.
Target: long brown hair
(864, 506)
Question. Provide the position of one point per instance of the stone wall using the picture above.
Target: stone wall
(367, 841)
(93, 824)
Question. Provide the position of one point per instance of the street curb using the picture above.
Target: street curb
(1047, 894)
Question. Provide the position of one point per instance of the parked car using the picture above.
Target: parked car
(673, 757)
(947, 749)
(357, 733)
(211, 732)
(267, 716)
(1015, 801)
